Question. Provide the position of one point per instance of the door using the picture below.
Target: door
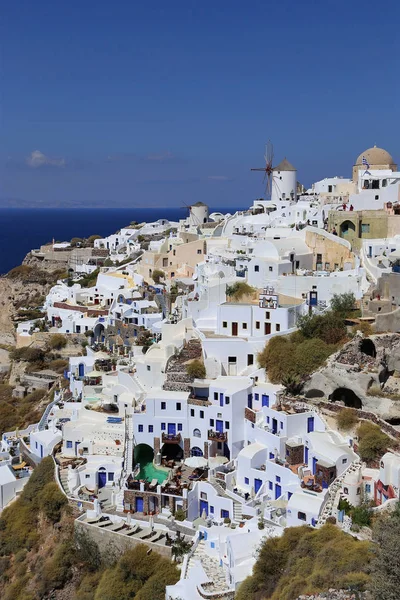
(203, 507)
(310, 424)
(267, 328)
(102, 479)
(306, 455)
(234, 328)
(171, 429)
(314, 465)
(250, 401)
(219, 426)
(81, 370)
(265, 400)
(139, 504)
(278, 491)
(257, 485)
(274, 425)
(221, 399)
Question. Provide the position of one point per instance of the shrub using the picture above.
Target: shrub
(52, 501)
(32, 355)
(91, 239)
(347, 418)
(180, 515)
(372, 441)
(57, 341)
(158, 275)
(364, 327)
(343, 303)
(239, 289)
(329, 327)
(385, 564)
(361, 515)
(196, 369)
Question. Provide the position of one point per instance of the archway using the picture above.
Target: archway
(143, 454)
(347, 229)
(196, 433)
(99, 332)
(172, 452)
(347, 396)
(195, 451)
(367, 346)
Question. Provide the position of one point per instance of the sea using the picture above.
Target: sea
(22, 230)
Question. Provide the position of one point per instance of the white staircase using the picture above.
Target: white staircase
(237, 506)
(212, 568)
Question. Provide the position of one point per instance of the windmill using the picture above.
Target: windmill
(268, 169)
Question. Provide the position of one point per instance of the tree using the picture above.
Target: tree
(347, 418)
(343, 304)
(196, 369)
(372, 441)
(385, 583)
(329, 327)
(158, 275)
(52, 501)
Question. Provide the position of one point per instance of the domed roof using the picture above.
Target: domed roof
(375, 156)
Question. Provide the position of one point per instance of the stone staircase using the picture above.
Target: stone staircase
(64, 481)
(161, 303)
(237, 506)
(333, 495)
(177, 379)
(129, 445)
(218, 584)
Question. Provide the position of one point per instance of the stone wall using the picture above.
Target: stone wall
(295, 454)
(113, 543)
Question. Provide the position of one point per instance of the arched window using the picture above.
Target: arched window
(195, 451)
(196, 433)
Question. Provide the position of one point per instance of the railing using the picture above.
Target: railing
(217, 436)
(169, 438)
(43, 421)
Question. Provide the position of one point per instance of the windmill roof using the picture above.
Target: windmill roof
(285, 165)
(199, 204)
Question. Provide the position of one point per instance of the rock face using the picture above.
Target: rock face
(361, 367)
(337, 595)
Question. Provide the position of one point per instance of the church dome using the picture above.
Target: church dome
(376, 156)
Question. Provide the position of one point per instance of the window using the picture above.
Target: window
(163, 405)
(179, 426)
(257, 324)
(364, 227)
(172, 274)
(256, 268)
(224, 514)
(368, 488)
(256, 396)
(87, 476)
(271, 455)
(270, 485)
(192, 412)
(344, 461)
(219, 445)
(281, 424)
(69, 444)
(358, 491)
(267, 314)
(319, 259)
(110, 476)
(212, 511)
(211, 422)
(178, 406)
(150, 428)
(346, 491)
(225, 324)
(227, 400)
(162, 426)
(277, 327)
(202, 414)
(226, 424)
(270, 269)
(196, 433)
(140, 428)
(199, 251)
(148, 367)
(277, 479)
(377, 197)
(215, 395)
(301, 516)
(203, 495)
(244, 325)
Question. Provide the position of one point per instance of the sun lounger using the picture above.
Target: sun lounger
(154, 483)
(135, 529)
(105, 523)
(117, 526)
(93, 521)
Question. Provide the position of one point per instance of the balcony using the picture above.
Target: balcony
(171, 438)
(217, 436)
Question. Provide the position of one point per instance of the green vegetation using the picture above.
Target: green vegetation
(144, 339)
(32, 274)
(372, 441)
(329, 327)
(29, 314)
(19, 413)
(89, 280)
(360, 515)
(307, 561)
(91, 239)
(27, 353)
(157, 275)
(57, 341)
(364, 327)
(385, 583)
(343, 304)
(179, 515)
(347, 418)
(196, 369)
(239, 289)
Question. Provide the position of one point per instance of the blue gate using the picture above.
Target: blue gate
(278, 491)
(203, 507)
(139, 505)
(102, 479)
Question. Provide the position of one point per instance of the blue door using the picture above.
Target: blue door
(81, 370)
(278, 491)
(102, 479)
(314, 465)
(171, 429)
(139, 505)
(221, 399)
(219, 426)
(274, 425)
(265, 400)
(257, 485)
(250, 400)
(310, 424)
(203, 506)
(41, 451)
(306, 455)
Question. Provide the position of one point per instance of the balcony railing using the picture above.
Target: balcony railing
(217, 436)
(171, 438)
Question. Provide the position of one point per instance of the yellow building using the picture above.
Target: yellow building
(377, 159)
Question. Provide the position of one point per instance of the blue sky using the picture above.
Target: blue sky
(152, 103)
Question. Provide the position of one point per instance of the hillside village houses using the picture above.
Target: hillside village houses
(136, 434)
